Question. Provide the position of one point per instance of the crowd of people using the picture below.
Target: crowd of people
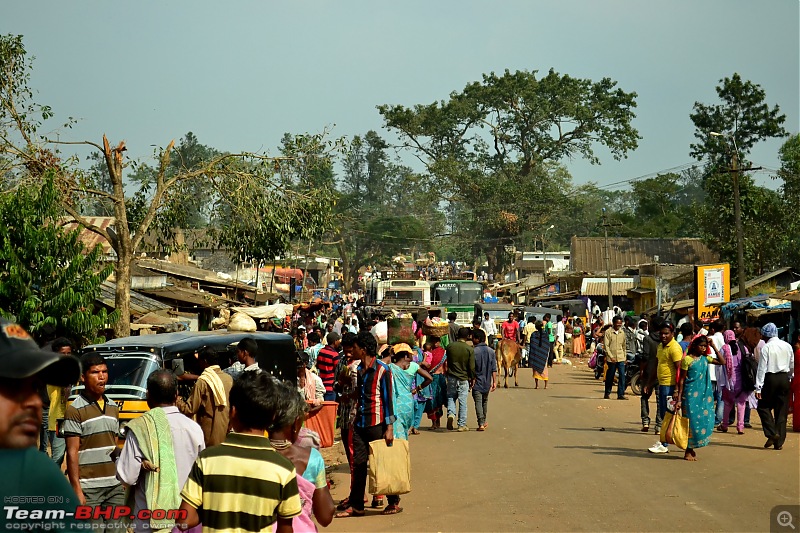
(235, 453)
(711, 374)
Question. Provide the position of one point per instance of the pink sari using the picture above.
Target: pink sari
(303, 523)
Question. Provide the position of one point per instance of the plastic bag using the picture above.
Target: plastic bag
(389, 467)
(380, 332)
(593, 360)
(675, 430)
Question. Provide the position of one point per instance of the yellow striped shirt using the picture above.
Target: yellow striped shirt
(243, 485)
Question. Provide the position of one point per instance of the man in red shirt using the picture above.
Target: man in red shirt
(327, 359)
(510, 329)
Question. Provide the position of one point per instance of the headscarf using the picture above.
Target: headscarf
(769, 330)
(727, 350)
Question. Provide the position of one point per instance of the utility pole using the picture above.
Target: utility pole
(737, 209)
(608, 259)
(737, 213)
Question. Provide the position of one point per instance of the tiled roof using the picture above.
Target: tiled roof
(91, 239)
(588, 253)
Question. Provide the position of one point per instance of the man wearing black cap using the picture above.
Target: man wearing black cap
(30, 476)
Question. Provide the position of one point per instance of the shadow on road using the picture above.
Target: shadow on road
(622, 452)
(612, 430)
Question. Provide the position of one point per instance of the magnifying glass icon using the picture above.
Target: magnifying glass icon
(785, 519)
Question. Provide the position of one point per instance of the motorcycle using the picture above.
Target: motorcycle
(601, 361)
(633, 375)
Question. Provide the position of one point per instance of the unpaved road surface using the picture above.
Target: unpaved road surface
(545, 464)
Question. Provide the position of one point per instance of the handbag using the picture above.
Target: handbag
(593, 361)
(389, 467)
(675, 430)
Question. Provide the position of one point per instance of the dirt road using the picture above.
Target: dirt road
(563, 459)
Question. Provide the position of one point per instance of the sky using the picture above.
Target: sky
(240, 74)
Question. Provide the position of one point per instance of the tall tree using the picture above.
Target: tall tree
(47, 277)
(500, 140)
(739, 122)
(134, 215)
(384, 208)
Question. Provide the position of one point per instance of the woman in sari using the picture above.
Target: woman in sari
(539, 350)
(578, 340)
(732, 394)
(312, 484)
(696, 394)
(436, 366)
(404, 372)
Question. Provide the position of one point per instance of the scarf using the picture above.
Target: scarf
(154, 436)
(210, 376)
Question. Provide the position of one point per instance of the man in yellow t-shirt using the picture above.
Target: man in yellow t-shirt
(529, 329)
(669, 356)
(58, 406)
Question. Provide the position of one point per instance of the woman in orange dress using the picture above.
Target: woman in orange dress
(578, 339)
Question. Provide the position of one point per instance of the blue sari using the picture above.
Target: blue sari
(698, 402)
(402, 383)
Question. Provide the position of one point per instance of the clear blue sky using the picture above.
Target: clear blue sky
(240, 74)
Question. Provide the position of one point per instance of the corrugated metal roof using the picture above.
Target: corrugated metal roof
(191, 272)
(187, 295)
(140, 305)
(588, 253)
(619, 287)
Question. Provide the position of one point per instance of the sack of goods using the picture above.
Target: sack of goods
(242, 322)
(389, 467)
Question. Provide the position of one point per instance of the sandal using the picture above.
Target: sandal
(392, 509)
(344, 504)
(347, 513)
(414, 431)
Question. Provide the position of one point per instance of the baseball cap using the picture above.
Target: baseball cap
(20, 358)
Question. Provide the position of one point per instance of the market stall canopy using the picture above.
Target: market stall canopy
(279, 311)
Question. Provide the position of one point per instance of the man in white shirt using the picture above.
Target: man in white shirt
(246, 350)
(718, 373)
(490, 328)
(559, 348)
(141, 458)
(775, 369)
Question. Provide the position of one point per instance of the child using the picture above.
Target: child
(223, 483)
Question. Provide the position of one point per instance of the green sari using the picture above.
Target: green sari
(698, 401)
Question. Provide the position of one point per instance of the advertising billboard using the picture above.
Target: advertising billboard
(712, 286)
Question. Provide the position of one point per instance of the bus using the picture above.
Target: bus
(458, 296)
(414, 292)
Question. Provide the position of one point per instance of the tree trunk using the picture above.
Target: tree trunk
(122, 296)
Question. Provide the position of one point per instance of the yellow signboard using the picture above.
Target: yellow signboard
(712, 286)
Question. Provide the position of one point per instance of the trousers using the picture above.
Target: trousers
(773, 407)
(358, 484)
(481, 400)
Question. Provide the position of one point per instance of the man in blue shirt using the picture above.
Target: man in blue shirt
(485, 376)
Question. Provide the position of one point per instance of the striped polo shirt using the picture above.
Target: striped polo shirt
(242, 484)
(97, 428)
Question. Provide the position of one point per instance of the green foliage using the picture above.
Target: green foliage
(789, 173)
(47, 278)
(265, 204)
(494, 149)
(743, 114)
(743, 118)
(384, 208)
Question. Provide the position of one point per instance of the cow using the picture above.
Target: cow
(509, 356)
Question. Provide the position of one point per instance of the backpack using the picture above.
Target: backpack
(749, 371)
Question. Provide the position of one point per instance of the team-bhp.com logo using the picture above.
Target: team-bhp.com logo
(18, 518)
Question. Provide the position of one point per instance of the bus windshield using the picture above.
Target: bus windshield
(455, 293)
